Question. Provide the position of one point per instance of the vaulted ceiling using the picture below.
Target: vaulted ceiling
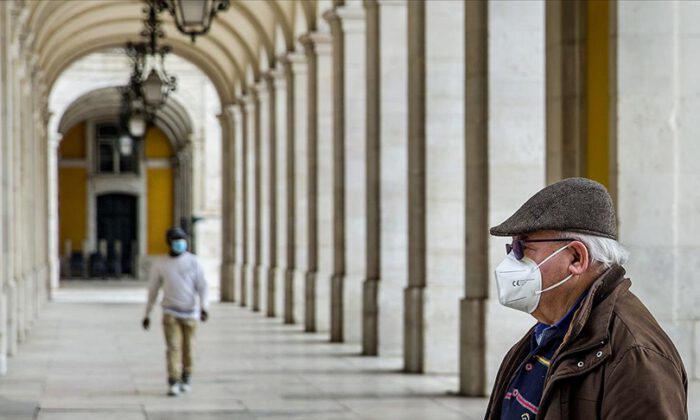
(242, 43)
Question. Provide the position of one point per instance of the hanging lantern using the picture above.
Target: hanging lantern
(153, 94)
(193, 17)
(126, 145)
(137, 120)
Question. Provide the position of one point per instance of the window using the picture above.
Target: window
(110, 160)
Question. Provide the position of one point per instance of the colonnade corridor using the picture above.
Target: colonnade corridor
(88, 358)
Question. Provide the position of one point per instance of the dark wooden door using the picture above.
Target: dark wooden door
(116, 220)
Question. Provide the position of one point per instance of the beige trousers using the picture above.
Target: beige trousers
(179, 339)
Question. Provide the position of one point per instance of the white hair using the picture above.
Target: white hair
(605, 251)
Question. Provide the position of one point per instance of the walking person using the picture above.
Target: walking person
(184, 303)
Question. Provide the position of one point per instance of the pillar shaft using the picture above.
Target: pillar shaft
(472, 308)
(566, 89)
(370, 304)
(338, 274)
(272, 196)
(228, 200)
(312, 184)
(245, 139)
(290, 196)
(414, 293)
(257, 201)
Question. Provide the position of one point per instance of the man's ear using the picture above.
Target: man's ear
(581, 261)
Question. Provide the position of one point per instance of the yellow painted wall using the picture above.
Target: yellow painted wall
(598, 95)
(160, 192)
(72, 144)
(157, 144)
(72, 209)
(160, 208)
(72, 191)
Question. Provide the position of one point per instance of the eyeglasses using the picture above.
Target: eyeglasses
(518, 245)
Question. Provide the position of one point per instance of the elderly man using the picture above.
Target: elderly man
(596, 351)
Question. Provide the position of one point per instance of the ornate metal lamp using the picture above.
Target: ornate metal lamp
(143, 97)
(193, 17)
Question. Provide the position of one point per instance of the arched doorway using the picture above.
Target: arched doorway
(115, 205)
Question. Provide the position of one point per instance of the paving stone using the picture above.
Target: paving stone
(88, 358)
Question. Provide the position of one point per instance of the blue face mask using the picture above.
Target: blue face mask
(178, 246)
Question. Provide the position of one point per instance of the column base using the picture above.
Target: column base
(3, 333)
(228, 281)
(271, 291)
(256, 288)
(289, 296)
(12, 313)
(472, 353)
(414, 345)
(337, 310)
(244, 285)
(310, 302)
(370, 317)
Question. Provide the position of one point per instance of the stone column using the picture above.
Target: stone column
(370, 301)
(338, 275)
(566, 89)
(259, 97)
(238, 120)
(301, 179)
(281, 181)
(317, 51)
(414, 343)
(472, 328)
(444, 184)
(311, 185)
(271, 275)
(22, 141)
(4, 163)
(658, 100)
(324, 65)
(516, 147)
(228, 201)
(393, 166)
(290, 197)
(11, 179)
(348, 32)
(246, 110)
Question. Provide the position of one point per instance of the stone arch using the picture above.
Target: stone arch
(173, 118)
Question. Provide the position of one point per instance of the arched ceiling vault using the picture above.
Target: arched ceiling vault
(65, 31)
(173, 119)
(221, 81)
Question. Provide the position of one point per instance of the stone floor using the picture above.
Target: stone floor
(88, 358)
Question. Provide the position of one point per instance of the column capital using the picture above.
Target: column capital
(261, 88)
(271, 77)
(231, 108)
(224, 118)
(294, 63)
(349, 19)
(278, 77)
(249, 99)
(388, 3)
(317, 42)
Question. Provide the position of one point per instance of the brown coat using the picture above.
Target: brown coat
(615, 362)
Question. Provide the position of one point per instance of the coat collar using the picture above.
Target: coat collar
(590, 326)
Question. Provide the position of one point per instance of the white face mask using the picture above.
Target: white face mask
(520, 282)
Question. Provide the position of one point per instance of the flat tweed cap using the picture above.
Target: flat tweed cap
(573, 204)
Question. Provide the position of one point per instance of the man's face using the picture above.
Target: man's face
(554, 270)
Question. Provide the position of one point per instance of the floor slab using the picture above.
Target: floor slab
(88, 358)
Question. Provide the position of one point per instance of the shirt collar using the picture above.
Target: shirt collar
(560, 327)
